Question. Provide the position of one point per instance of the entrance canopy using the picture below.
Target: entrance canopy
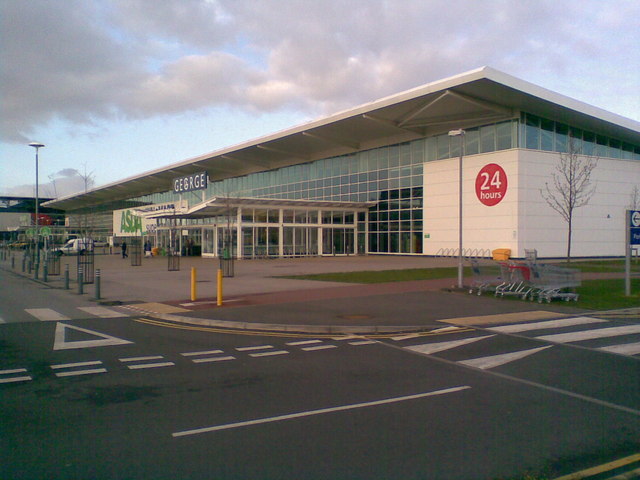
(226, 205)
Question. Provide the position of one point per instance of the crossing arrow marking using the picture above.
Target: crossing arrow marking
(61, 343)
(497, 360)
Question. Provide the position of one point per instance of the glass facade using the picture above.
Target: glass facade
(391, 176)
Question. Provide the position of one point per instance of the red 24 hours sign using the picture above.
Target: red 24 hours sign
(491, 184)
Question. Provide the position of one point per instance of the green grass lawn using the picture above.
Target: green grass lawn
(594, 294)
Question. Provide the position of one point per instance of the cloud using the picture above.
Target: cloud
(81, 62)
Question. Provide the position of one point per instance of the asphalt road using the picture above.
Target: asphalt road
(191, 404)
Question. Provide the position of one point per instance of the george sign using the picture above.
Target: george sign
(634, 227)
(189, 183)
(491, 184)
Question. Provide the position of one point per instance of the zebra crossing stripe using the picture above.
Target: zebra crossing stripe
(590, 334)
(565, 322)
(623, 349)
(102, 312)
(46, 314)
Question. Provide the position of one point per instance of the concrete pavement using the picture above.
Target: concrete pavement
(257, 297)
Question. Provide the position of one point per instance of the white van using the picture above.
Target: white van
(75, 246)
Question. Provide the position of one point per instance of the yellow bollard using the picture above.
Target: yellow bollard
(219, 287)
(194, 293)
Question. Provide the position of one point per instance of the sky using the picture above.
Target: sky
(116, 88)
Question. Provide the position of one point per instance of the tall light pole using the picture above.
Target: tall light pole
(37, 146)
(459, 133)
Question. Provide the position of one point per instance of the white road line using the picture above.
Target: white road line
(565, 322)
(429, 348)
(591, 334)
(141, 359)
(2, 320)
(15, 379)
(269, 354)
(321, 411)
(318, 347)
(304, 342)
(195, 354)
(362, 342)
(46, 314)
(15, 370)
(73, 373)
(502, 359)
(624, 349)
(213, 359)
(248, 349)
(79, 364)
(150, 365)
(102, 312)
(405, 337)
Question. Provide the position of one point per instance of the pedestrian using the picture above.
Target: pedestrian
(124, 249)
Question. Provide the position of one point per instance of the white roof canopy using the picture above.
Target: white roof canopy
(474, 98)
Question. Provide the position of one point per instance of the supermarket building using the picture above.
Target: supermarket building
(383, 178)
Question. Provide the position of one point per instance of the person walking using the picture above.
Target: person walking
(124, 249)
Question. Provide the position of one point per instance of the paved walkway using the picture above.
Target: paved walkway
(259, 297)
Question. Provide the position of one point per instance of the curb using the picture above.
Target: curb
(283, 328)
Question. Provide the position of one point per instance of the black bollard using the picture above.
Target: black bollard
(66, 277)
(80, 282)
(97, 282)
(45, 272)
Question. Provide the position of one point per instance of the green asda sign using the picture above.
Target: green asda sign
(130, 223)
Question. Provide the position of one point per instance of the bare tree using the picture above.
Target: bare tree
(571, 186)
(635, 198)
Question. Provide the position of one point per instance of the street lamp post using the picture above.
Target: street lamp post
(459, 133)
(37, 146)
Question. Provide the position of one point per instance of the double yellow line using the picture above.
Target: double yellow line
(266, 333)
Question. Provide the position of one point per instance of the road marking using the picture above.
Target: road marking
(2, 320)
(102, 312)
(318, 347)
(303, 342)
(207, 352)
(15, 370)
(213, 359)
(606, 467)
(493, 361)
(269, 354)
(565, 322)
(623, 349)
(321, 411)
(60, 342)
(429, 348)
(362, 342)
(79, 364)
(150, 365)
(590, 334)
(141, 359)
(248, 349)
(46, 314)
(405, 337)
(15, 379)
(73, 373)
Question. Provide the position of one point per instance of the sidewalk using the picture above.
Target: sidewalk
(258, 298)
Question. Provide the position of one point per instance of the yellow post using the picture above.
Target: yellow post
(219, 287)
(194, 293)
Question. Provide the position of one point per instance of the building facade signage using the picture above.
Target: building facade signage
(634, 227)
(189, 183)
(491, 184)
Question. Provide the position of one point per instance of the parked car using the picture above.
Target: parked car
(75, 246)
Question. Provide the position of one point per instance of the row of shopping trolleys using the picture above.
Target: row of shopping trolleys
(526, 280)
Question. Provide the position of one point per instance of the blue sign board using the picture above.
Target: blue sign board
(634, 227)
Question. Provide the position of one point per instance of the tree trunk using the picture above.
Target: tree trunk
(569, 241)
